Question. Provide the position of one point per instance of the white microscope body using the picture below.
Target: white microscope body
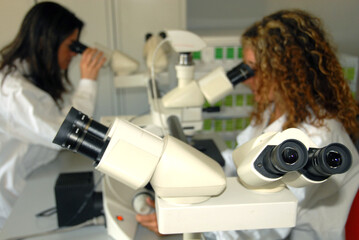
(170, 165)
(120, 63)
(191, 188)
(192, 192)
(186, 100)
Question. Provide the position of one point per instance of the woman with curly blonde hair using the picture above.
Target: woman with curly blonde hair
(297, 65)
(299, 83)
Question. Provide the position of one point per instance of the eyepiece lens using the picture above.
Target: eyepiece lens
(334, 159)
(290, 156)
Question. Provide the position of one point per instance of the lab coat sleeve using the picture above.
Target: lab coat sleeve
(83, 98)
(33, 116)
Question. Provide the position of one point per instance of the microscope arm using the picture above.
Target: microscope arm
(134, 156)
(212, 87)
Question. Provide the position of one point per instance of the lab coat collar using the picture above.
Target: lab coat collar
(276, 126)
(22, 66)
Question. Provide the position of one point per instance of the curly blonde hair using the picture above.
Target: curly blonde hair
(294, 57)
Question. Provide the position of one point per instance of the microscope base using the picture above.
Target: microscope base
(237, 208)
(120, 218)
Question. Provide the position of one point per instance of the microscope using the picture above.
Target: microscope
(120, 63)
(192, 194)
(186, 100)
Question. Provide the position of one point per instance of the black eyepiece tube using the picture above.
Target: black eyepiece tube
(77, 47)
(92, 147)
(290, 155)
(324, 162)
(240, 73)
(87, 124)
(276, 160)
(73, 136)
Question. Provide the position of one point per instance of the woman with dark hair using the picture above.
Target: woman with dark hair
(298, 83)
(36, 94)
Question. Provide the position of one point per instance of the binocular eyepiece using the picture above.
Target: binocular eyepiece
(316, 164)
(275, 161)
(82, 134)
(324, 162)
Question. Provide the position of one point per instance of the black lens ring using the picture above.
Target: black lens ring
(321, 164)
(277, 157)
(77, 118)
(71, 140)
(80, 140)
(86, 128)
(86, 123)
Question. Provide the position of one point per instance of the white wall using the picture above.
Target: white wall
(11, 13)
(135, 18)
(340, 18)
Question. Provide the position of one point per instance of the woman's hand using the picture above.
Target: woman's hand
(149, 221)
(91, 63)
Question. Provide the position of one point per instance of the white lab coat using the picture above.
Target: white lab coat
(29, 120)
(323, 208)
